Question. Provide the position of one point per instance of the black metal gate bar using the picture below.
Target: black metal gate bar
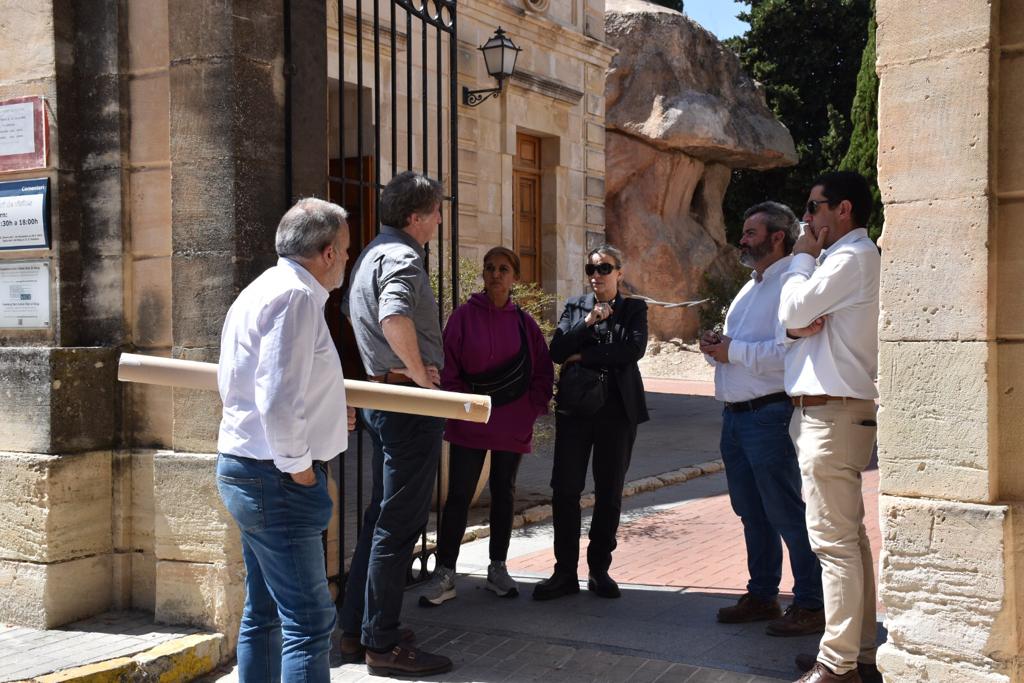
(424, 14)
(453, 144)
(376, 110)
(394, 88)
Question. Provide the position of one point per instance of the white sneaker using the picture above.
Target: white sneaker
(499, 582)
(440, 588)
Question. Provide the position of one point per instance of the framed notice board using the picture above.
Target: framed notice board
(25, 214)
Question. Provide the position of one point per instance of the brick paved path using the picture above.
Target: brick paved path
(697, 544)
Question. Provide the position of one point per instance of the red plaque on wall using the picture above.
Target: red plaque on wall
(24, 135)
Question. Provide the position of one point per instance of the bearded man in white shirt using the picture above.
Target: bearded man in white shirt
(760, 461)
(829, 307)
(284, 417)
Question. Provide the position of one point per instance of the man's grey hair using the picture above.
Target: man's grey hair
(308, 227)
(777, 218)
(408, 193)
(607, 250)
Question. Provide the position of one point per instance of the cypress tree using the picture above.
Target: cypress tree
(862, 155)
(806, 54)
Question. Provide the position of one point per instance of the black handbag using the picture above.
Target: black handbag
(581, 391)
(508, 382)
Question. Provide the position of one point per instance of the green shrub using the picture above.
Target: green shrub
(469, 282)
(538, 303)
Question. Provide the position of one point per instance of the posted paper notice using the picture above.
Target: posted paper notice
(25, 294)
(17, 129)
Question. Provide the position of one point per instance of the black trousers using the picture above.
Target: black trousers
(464, 467)
(610, 435)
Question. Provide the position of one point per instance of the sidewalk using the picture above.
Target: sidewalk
(683, 431)
(680, 559)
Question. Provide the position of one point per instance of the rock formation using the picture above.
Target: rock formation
(681, 114)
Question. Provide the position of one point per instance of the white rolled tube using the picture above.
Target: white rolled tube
(190, 374)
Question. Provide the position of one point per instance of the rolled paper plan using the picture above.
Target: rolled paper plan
(396, 398)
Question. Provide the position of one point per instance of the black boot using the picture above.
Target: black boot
(556, 586)
(601, 584)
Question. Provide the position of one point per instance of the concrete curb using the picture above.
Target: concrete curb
(542, 513)
(181, 659)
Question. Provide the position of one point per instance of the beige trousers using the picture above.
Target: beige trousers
(834, 446)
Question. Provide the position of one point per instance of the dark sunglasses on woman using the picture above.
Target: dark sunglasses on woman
(602, 268)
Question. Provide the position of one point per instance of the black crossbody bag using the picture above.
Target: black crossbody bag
(582, 391)
(509, 381)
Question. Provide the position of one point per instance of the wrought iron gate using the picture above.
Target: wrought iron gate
(398, 62)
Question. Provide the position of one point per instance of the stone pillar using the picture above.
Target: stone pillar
(951, 171)
(60, 416)
(227, 193)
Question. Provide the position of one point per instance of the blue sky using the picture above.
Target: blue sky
(717, 16)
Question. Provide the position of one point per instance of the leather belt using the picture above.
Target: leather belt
(390, 378)
(755, 403)
(812, 401)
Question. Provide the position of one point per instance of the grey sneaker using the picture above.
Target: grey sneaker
(440, 588)
(499, 582)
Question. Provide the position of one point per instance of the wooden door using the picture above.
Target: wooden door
(526, 206)
(362, 229)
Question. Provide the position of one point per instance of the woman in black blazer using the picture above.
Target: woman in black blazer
(606, 332)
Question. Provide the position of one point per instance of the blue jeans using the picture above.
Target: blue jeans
(289, 616)
(406, 452)
(764, 487)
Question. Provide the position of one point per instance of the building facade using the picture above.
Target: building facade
(178, 133)
(174, 135)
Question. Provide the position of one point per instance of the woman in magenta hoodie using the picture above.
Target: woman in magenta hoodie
(489, 340)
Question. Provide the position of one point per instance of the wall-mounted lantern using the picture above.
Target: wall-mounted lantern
(500, 55)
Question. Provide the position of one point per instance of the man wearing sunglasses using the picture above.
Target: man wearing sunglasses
(760, 462)
(829, 307)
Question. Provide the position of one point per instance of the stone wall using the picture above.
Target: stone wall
(950, 146)
(61, 414)
(167, 172)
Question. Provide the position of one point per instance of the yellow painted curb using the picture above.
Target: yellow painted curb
(182, 659)
(175, 661)
(110, 671)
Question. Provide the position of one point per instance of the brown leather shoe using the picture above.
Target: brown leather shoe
(797, 621)
(869, 673)
(352, 650)
(403, 660)
(750, 608)
(820, 673)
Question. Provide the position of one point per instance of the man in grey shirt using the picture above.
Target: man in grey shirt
(394, 318)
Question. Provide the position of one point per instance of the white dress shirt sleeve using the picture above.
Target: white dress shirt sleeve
(809, 293)
(761, 357)
(282, 378)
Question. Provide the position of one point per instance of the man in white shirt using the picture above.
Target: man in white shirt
(829, 307)
(760, 461)
(284, 417)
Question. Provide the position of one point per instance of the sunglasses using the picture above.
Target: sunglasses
(602, 268)
(813, 204)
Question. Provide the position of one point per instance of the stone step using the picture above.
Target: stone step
(180, 659)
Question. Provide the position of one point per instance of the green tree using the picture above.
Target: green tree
(862, 154)
(806, 54)
(677, 5)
